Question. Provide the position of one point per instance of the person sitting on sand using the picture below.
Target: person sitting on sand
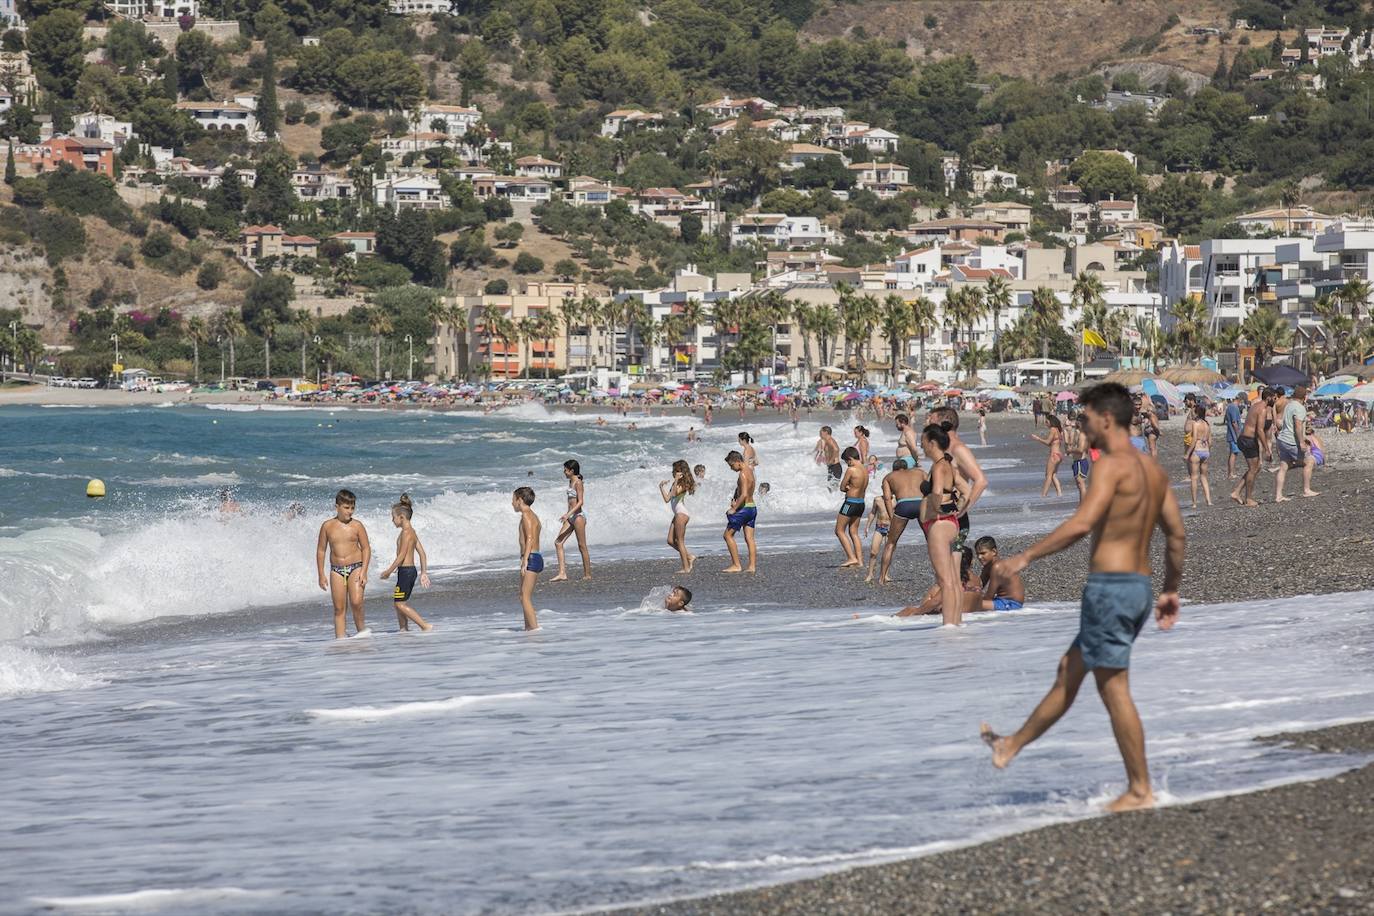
(678, 599)
(969, 598)
(1002, 590)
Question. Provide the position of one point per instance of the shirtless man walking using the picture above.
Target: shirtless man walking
(1128, 496)
(1249, 445)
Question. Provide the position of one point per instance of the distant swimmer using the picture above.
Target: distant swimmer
(764, 489)
(1128, 497)
(574, 522)
(407, 548)
(691, 434)
(741, 515)
(675, 494)
(706, 415)
(1002, 590)
(879, 523)
(902, 499)
(678, 599)
(907, 448)
(827, 452)
(350, 554)
(531, 560)
(746, 447)
(854, 486)
(227, 504)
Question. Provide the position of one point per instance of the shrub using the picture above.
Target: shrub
(294, 111)
(496, 288)
(30, 192)
(312, 118)
(124, 257)
(157, 244)
(527, 263)
(210, 275)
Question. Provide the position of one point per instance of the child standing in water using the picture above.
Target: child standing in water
(853, 485)
(350, 554)
(574, 522)
(675, 494)
(407, 546)
(878, 522)
(741, 515)
(531, 561)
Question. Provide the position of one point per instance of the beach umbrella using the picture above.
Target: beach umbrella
(1128, 377)
(1364, 393)
(1001, 395)
(1189, 388)
(1066, 396)
(1166, 390)
(1332, 389)
(1280, 375)
(1196, 374)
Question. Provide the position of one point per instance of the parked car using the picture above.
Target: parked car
(87, 383)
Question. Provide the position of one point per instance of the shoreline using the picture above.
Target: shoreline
(1301, 847)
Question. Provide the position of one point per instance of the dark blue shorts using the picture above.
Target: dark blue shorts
(1081, 468)
(745, 517)
(1115, 607)
(1005, 604)
(908, 508)
(535, 564)
(852, 507)
(405, 583)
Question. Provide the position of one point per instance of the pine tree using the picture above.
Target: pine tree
(267, 99)
(10, 174)
(1221, 74)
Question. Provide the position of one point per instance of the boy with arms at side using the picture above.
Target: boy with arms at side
(854, 484)
(407, 545)
(741, 515)
(349, 556)
(1002, 590)
(531, 560)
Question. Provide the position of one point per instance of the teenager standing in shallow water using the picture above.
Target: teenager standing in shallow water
(574, 522)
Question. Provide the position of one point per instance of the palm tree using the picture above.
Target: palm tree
(802, 319)
(1190, 324)
(507, 330)
(526, 331)
(637, 317)
(1289, 195)
(896, 329)
(844, 306)
(546, 324)
(922, 325)
(1047, 313)
(1355, 295)
(973, 358)
(267, 325)
(379, 323)
(693, 316)
(1338, 330)
(997, 295)
(867, 313)
(492, 316)
(565, 316)
(230, 326)
(436, 312)
(956, 308)
(826, 323)
(306, 324)
(1267, 332)
(197, 333)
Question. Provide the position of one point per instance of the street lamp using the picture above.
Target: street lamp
(316, 340)
(115, 338)
(410, 367)
(14, 341)
(219, 342)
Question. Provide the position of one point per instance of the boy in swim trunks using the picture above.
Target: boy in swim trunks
(1078, 461)
(854, 484)
(678, 599)
(349, 556)
(1002, 590)
(1128, 497)
(741, 515)
(879, 522)
(407, 546)
(531, 561)
(828, 454)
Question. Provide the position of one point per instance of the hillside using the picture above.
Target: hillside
(1034, 39)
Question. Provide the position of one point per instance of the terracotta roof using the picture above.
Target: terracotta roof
(449, 109)
(299, 240)
(536, 160)
(350, 234)
(985, 273)
(262, 230)
(1116, 204)
(796, 148)
(1192, 252)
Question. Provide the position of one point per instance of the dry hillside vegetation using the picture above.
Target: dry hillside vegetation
(1035, 38)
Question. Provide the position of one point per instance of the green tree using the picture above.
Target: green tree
(273, 199)
(526, 263)
(272, 26)
(748, 161)
(380, 79)
(10, 173)
(197, 57)
(128, 45)
(1266, 331)
(896, 330)
(56, 52)
(471, 68)
(197, 333)
(229, 328)
(210, 275)
(268, 114)
(378, 323)
(1102, 175)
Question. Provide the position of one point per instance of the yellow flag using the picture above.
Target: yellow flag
(682, 358)
(1092, 338)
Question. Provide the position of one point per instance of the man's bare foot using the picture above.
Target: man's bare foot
(691, 561)
(1236, 498)
(1250, 504)
(885, 580)
(1131, 800)
(1002, 753)
(586, 577)
(733, 569)
(750, 569)
(561, 577)
(1282, 499)
(850, 563)
(1311, 493)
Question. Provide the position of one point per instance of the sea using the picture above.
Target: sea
(182, 734)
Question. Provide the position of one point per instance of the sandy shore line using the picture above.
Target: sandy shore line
(1300, 848)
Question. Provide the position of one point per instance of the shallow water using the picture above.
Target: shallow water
(168, 750)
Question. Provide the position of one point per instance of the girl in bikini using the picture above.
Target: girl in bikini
(1199, 450)
(940, 519)
(574, 522)
(746, 446)
(675, 493)
(861, 443)
(1055, 441)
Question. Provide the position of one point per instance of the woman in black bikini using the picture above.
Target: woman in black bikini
(940, 518)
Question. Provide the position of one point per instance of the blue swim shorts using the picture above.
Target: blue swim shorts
(1081, 467)
(852, 507)
(908, 460)
(1006, 604)
(1291, 454)
(1115, 607)
(535, 564)
(735, 521)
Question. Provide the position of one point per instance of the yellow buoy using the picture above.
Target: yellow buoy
(95, 489)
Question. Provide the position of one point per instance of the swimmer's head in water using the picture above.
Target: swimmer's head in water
(765, 487)
(523, 495)
(404, 509)
(224, 496)
(572, 469)
(733, 459)
(700, 471)
(678, 599)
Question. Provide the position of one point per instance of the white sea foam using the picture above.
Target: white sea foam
(423, 708)
(155, 898)
(24, 672)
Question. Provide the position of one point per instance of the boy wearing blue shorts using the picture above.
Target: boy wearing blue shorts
(741, 515)
(1002, 590)
(531, 560)
(1128, 497)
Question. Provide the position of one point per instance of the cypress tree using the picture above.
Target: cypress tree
(10, 174)
(267, 99)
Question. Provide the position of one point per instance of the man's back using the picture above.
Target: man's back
(1121, 539)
